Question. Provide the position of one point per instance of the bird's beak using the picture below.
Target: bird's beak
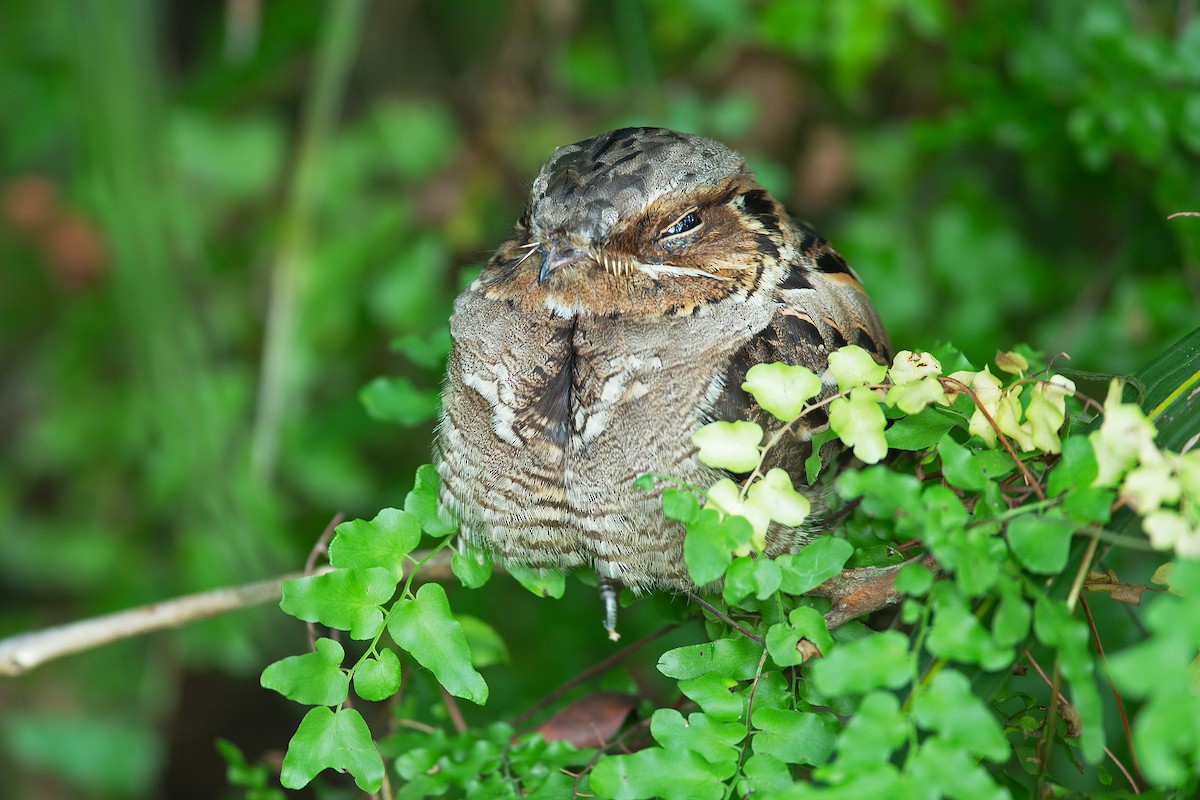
(558, 254)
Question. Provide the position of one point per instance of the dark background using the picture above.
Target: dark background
(222, 220)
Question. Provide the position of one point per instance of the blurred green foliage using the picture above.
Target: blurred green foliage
(189, 186)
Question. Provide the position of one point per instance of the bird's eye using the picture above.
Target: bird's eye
(685, 223)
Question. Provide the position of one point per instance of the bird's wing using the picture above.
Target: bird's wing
(819, 306)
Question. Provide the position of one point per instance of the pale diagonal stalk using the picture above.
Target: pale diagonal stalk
(293, 261)
(175, 404)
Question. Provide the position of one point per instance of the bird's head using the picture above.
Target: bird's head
(638, 221)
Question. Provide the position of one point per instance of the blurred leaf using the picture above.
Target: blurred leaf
(485, 644)
(870, 736)
(398, 400)
(876, 661)
(1041, 543)
(948, 706)
(419, 137)
(97, 753)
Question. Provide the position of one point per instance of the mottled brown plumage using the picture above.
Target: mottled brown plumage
(649, 273)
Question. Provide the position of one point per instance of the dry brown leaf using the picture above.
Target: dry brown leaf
(591, 720)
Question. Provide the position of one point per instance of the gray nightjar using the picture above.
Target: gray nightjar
(649, 273)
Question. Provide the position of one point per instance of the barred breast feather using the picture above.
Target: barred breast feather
(650, 272)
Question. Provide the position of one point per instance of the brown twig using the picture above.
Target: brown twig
(23, 652)
(320, 547)
(728, 620)
(453, 711)
(1137, 768)
(19, 654)
(1060, 698)
(858, 592)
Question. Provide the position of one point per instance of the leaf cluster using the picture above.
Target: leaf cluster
(981, 680)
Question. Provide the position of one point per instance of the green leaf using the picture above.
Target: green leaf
(810, 624)
(765, 776)
(852, 366)
(782, 390)
(315, 678)
(729, 445)
(820, 560)
(1161, 669)
(377, 678)
(959, 466)
(919, 431)
(347, 599)
(715, 742)
(776, 495)
(1041, 544)
(803, 622)
(958, 634)
(813, 464)
(781, 645)
(1076, 468)
(879, 660)
(680, 505)
(741, 580)
(768, 577)
(398, 400)
(884, 493)
(715, 695)
(424, 626)
(710, 542)
(1089, 505)
(914, 579)
(724, 496)
(382, 542)
(543, 582)
(422, 503)
(859, 423)
(337, 740)
(948, 706)
(657, 773)
(914, 397)
(794, 737)
(428, 350)
(1010, 625)
(1171, 399)
(736, 659)
(471, 565)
